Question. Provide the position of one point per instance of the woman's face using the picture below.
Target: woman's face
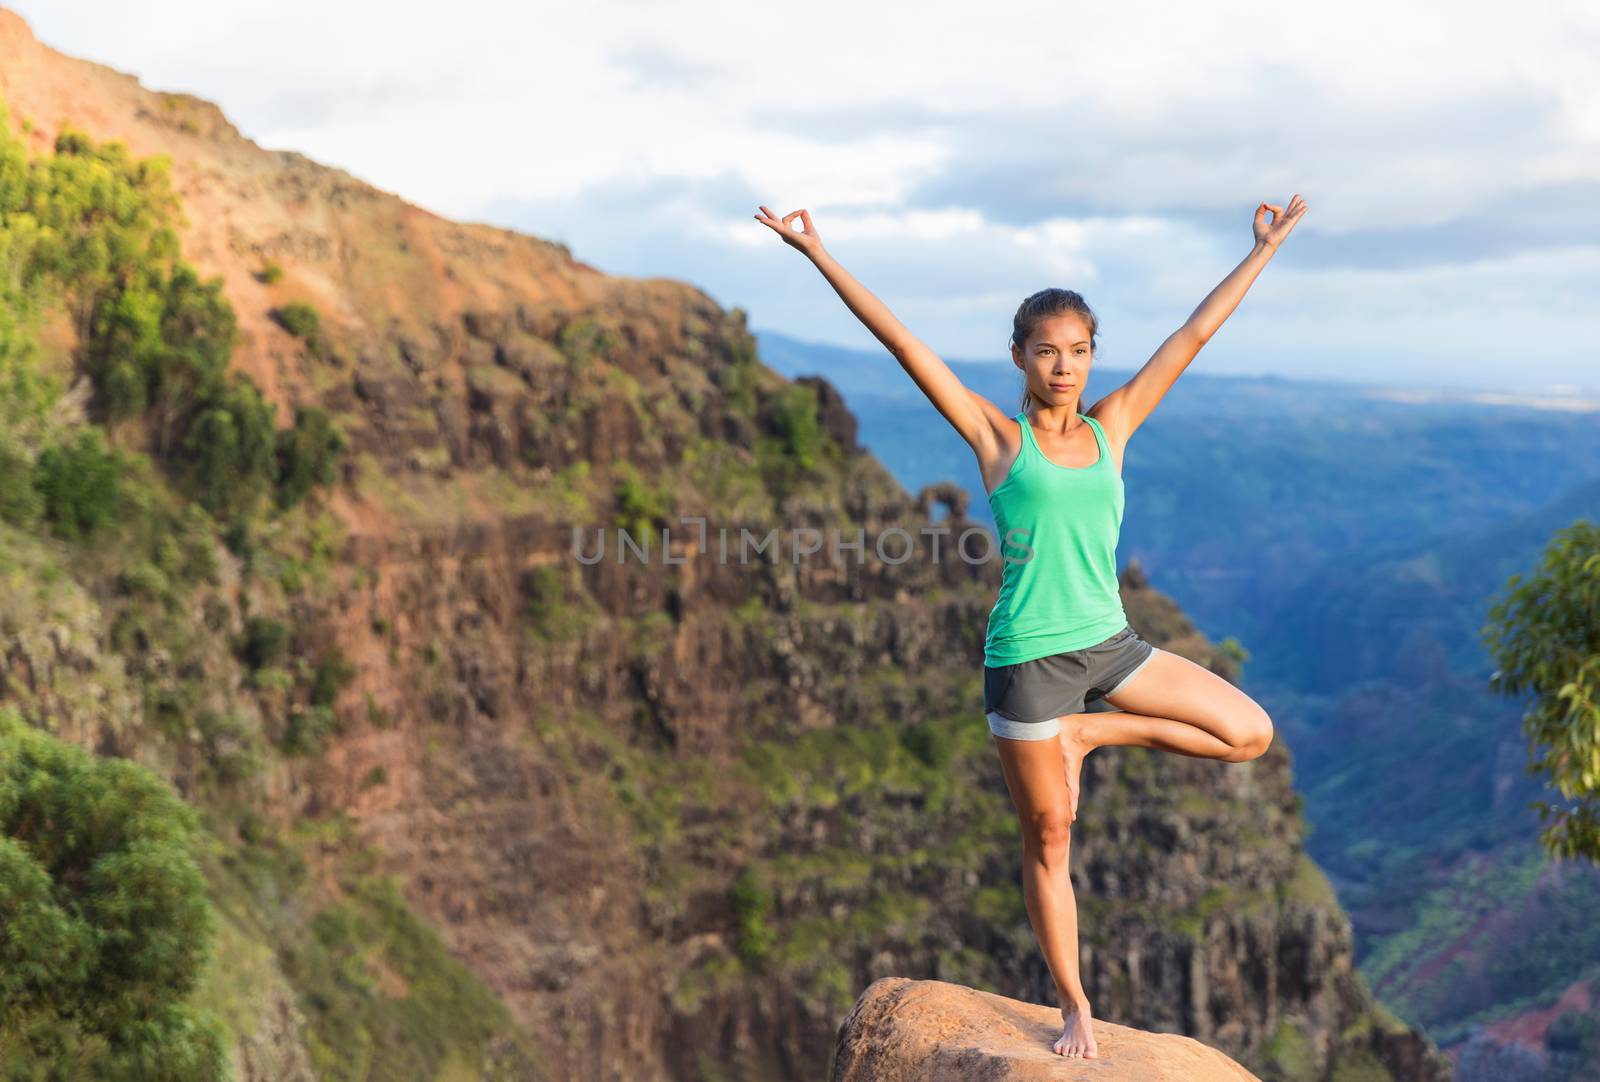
(1056, 358)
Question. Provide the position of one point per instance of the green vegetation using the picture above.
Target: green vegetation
(1309, 886)
(106, 916)
(797, 446)
(802, 909)
(381, 970)
(271, 274)
(130, 466)
(383, 997)
(918, 781)
(91, 228)
(78, 485)
(1553, 946)
(265, 642)
(585, 341)
(751, 901)
(1235, 650)
(1289, 1054)
(1574, 1044)
(311, 722)
(299, 319)
(1360, 1065)
(1192, 922)
(794, 416)
(230, 449)
(557, 610)
(333, 673)
(642, 508)
(741, 378)
(1544, 637)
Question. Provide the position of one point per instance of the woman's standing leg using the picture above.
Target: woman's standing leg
(1039, 792)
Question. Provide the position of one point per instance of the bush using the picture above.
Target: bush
(299, 319)
(333, 672)
(307, 729)
(792, 415)
(232, 451)
(584, 342)
(78, 484)
(270, 275)
(93, 226)
(307, 455)
(108, 926)
(20, 502)
(751, 900)
(265, 642)
(641, 507)
(740, 382)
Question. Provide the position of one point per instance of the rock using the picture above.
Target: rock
(832, 413)
(902, 1030)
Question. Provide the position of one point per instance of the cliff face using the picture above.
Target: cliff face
(675, 815)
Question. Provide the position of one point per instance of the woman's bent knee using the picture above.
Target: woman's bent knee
(1257, 739)
(1050, 838)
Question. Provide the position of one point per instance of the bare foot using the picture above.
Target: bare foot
(1077, 1036)
(1074, 746)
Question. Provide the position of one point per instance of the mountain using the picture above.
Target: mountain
(483, 807)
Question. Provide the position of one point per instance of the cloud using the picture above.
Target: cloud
(957, 159)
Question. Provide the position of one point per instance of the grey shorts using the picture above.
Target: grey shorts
(1026, 701)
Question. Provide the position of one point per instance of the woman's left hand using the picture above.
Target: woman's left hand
(1272, 234)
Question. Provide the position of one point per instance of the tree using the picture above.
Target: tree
(1544, 636)
(104, 922)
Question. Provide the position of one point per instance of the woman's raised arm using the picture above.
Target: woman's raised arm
(1127, 407)
(969, 413)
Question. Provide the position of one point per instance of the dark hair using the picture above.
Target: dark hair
(1045, 303)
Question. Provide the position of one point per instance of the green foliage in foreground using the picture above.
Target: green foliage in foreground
(1544, 636)
(105, 917)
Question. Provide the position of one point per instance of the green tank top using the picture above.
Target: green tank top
(1062, 596)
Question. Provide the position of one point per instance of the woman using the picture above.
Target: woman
(1057, 637)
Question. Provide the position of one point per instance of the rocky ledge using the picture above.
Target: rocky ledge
(902, 1030)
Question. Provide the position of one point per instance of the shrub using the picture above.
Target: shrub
(93, 227)
(307, 455)
(333, 672)
(792, 414)
(231, 451)
(20, 502)
(555, 611)
(307, 729)
(265, 642)
(107, 919)
(584, 341)
(753, 938)
(739, 382)
(78, 484)
(640, 506)
(299, 319)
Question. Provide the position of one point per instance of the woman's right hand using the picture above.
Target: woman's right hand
(808, 241)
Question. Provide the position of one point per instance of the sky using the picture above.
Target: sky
(956, 157)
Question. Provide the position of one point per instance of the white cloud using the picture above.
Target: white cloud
(956, 156)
